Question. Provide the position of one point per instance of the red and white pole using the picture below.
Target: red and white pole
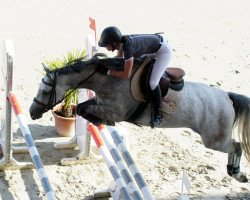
(31, 147)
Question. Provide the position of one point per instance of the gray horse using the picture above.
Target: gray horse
(208, 111)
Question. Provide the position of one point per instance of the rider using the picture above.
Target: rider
(136, 46)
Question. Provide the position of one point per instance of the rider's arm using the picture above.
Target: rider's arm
(128, 65)
(119, 53)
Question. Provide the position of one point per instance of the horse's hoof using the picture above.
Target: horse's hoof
(240, 177)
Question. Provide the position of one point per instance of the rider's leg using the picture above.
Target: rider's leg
(156, 115)
(163, 56)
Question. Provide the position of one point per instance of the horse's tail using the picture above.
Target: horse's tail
(241, 106)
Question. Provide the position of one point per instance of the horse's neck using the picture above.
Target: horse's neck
(97, 82)
(68, 81)
(78, 80)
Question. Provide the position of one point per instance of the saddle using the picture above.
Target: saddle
(171, 79)
(171, 84)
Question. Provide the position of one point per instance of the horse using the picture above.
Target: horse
(208, 111)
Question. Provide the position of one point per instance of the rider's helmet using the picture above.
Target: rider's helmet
(109, 36)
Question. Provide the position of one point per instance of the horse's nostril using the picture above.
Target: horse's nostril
(32, 116)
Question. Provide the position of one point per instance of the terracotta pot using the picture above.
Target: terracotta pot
(64, 126)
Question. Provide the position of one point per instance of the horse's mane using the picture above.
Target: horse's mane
(72, 66)
(115, 63)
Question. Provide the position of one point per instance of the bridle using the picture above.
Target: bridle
(52, 99)
(52, 93)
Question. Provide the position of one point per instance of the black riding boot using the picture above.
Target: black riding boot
(156, 115)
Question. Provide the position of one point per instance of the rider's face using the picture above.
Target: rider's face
(109, 48)
(112, 48)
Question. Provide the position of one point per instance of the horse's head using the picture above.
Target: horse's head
(78, 74)
(54, 85)
(48, 95)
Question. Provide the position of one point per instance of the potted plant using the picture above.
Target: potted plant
(64, 113)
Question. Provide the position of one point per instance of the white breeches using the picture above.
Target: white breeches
(163, 56)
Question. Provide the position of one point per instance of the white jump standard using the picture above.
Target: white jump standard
(6, 133)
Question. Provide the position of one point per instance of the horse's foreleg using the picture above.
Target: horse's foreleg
(105, 112)
(233, 167)
(95, 113)
(81, 110)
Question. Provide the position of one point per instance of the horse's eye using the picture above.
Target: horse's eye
(45, 92)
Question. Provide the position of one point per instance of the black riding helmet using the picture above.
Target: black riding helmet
(109, 36)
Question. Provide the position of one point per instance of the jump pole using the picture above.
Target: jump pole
(31, 147)
(103, 138)
(122, 188)
(6, 133)
(130, 163)
(132, 187)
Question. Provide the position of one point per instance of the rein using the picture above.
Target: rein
(52, 98)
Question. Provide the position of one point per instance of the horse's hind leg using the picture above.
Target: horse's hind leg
(234, 151)
(233, 167)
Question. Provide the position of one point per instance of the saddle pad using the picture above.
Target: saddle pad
(135, 82)
(171, 102)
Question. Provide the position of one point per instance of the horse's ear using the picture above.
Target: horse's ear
(84, 57)
(46, 69)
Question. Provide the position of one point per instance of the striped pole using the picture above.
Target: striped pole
(31, 146)
(107, 158)
(131, 164)
(132, 187)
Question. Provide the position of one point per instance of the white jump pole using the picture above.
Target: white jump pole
(8, 162)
